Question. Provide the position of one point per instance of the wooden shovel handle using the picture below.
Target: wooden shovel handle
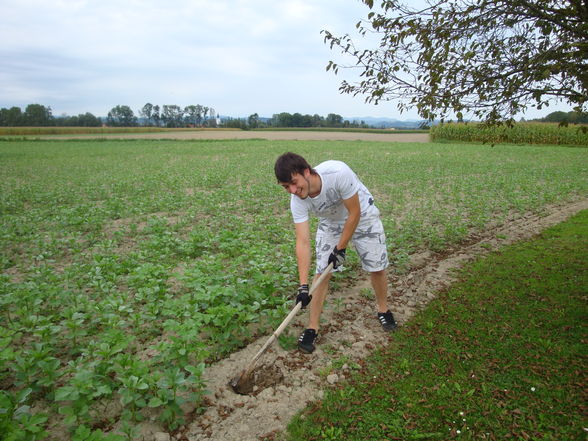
(288, 319)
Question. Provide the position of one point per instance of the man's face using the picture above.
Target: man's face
(299, 185)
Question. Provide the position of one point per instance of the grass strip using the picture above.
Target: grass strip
(15, 131)
(499, 355)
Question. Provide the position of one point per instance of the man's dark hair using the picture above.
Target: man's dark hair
(290, 163)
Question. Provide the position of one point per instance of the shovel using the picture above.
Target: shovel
(242, 383)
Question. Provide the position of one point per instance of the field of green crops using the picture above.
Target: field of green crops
(128, 266)
(519, 133)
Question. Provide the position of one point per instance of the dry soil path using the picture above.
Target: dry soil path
(277, 135)
(287, 380)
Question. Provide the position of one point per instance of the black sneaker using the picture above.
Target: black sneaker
(387, 321)
(306, 341)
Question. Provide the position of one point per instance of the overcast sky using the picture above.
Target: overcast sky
(238, 57)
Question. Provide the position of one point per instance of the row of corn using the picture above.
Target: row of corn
(518, 133)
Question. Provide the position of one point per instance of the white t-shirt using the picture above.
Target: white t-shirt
(339, 182)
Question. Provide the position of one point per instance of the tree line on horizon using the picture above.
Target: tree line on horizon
(37, 115)
(119, 116)
(298, 120)
(169, 116)
(173, 116)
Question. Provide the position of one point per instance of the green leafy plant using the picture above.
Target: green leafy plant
(77, 397)
(172, 390)
(17, 423)
(84, 433)
(132, 395)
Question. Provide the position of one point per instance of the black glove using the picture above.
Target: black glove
(337, 257)
(303, 296)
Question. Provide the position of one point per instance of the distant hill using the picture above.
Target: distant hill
(386, 123)
(375, 122)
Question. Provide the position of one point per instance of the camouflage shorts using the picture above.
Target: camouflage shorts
(369, 240)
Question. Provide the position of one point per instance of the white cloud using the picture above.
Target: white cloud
(122, 47)
(237, 56)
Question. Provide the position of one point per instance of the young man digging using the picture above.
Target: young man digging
(346, 213)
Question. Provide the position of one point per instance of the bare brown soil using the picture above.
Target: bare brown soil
(286, 381)
(277, 135)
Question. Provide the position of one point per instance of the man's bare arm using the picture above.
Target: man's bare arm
(303, 252)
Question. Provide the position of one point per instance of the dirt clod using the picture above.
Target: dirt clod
(259, 379)
(242, 383)
(266, 376)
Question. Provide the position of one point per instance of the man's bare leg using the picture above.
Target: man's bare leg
(380, 284)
